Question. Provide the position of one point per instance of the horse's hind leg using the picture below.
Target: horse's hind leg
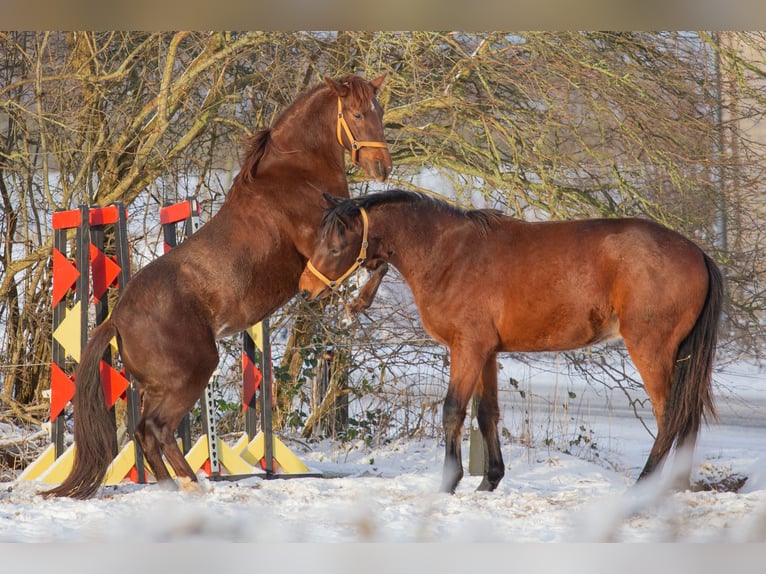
(166, 432)
(654, 362)
(488, 415)
(164, 405)
(147, 437)
(175, 405)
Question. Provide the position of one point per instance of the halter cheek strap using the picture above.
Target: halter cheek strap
(355, 145)
(333, 284)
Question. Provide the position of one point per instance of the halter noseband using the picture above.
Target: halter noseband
(355, 145)
(359, 260)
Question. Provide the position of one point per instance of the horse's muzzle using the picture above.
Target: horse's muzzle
(377, 168)
(382, 170)
(311, 287)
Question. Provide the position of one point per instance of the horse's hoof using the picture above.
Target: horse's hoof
(449, 487)
(189, 485)
(486, 486)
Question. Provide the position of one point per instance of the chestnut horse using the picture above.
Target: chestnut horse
(237, 269)
(484, 283)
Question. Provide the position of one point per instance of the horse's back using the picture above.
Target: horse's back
(575, 283)
(221, 280)
(608, 250)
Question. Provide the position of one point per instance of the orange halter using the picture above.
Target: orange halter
(355, 145)
(359, 260)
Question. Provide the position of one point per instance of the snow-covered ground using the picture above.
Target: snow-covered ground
(389, 493)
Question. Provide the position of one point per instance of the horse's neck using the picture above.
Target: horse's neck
(409, 239)
(289, 205)
(307, 136)
(302, 161)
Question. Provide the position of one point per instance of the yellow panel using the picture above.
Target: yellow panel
(39, 465)
(121, 465)
(253, 452)
(60, 469)
(256, 334)
(197, 454)
(228, 457)
(232, 461)
(285, 458)
(241, 443)
(290, 463)
(68, 332)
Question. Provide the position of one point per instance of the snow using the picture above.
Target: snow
(388, 493)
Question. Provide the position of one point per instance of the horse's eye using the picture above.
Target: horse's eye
(334, 252)
(358, 116)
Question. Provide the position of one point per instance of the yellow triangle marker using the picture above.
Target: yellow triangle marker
(68, 332)
(113, 342)
(256, 334)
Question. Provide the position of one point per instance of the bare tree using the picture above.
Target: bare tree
(540, 125)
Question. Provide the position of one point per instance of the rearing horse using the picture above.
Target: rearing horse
(484, 283)
(237, 269)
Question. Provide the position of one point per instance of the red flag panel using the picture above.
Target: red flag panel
(175, 213)
(103, 215)
(66, 219)
(251, 380)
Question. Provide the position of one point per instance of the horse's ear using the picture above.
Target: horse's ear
(340, 89)
(331, 200)
(377, 82)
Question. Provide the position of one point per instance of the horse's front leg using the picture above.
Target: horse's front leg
(453, 416)
(465, 367)
(368, 291)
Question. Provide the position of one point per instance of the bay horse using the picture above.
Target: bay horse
(234, 271)
(484, 283)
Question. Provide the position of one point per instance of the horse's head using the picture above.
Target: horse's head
(360, 124)
(340, 250)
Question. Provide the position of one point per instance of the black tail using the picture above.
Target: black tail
(94, 436)
(691, 394)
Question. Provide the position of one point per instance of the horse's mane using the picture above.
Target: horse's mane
(360, 94)
(255, 147)
(481, 218)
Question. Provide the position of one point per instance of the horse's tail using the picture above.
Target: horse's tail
(691, 396)
(94, 435)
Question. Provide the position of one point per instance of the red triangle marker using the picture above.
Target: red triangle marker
(62, 390)
(65, 275)
(113, 382)
(105, 271)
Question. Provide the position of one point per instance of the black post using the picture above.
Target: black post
(58, 355)
(132, 394)
(82, 240)
(98, 239)
(184, 427)
(266, 402)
